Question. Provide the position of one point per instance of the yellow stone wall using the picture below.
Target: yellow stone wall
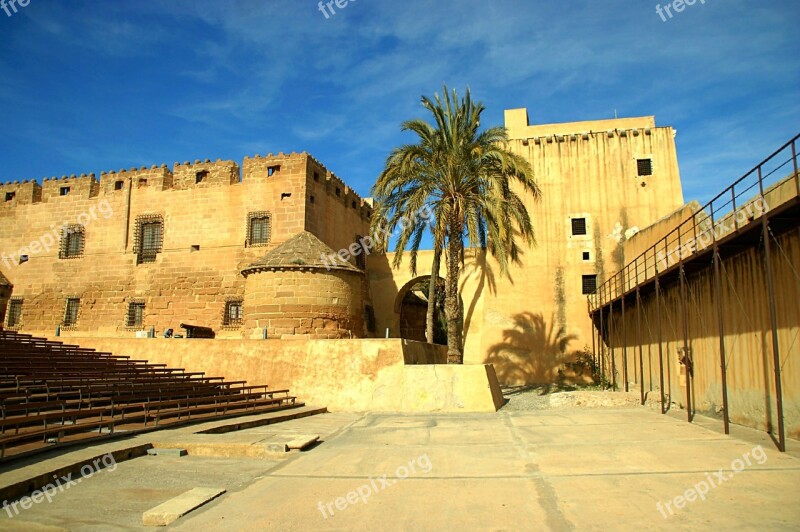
(746, 322)
(529, 323)
(311, 303)
(373, 375)
(526, 323)
(185, 284)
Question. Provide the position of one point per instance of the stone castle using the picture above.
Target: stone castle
(240, 251)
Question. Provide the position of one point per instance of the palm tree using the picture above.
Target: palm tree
(432, 286)
(465, 176)
(400, 208)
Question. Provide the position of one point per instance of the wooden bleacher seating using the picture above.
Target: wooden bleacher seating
(54, 393)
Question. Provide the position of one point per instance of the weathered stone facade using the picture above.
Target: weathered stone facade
(219, 264)
(602, 181)
(156, 247)
(293, 293)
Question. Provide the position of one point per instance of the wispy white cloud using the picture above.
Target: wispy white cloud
(237, 74)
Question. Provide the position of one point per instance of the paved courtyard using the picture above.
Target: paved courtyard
(559, 469)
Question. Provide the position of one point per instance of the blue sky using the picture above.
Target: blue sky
(89, 86)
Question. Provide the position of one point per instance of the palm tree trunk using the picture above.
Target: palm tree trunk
(437, 256)
(455, 246)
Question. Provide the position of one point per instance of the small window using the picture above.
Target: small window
(63, 191)
(361, 258)
(150, 236)
(119, 185)
(200, 176)
(14, 312)
(143, 182)
(586, 255)
(578, 226)
(644, 167)
(10, 195)
(589, 284)
(316, 176)
(311, 199)
(72, 242)
(258, 229)
(272, 170)
(353, 205)
(285, 195)
(369, 317)
(71, 313)
(233, 313)
(135, 314)
(338, 191)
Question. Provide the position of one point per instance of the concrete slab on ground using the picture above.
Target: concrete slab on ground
(559, 469)
(169, 511)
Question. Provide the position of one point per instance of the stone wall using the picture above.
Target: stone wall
(344, 375)
(311, 303)
(204, 207)
(530, 322)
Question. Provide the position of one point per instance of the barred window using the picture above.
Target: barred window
(14, 312)
(578, 226)
(258, 229)
(589, 284)
(644, 167)
(71, 312)
(72, 242)
(135, 314)
(233, 312)
(149, 238)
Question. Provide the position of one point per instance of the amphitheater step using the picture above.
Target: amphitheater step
(168, 512)
(55, 394)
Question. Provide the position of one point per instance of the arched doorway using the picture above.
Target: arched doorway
(412, 305)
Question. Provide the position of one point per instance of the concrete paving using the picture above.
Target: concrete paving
(560, 469)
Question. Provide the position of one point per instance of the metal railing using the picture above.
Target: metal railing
(747, 199)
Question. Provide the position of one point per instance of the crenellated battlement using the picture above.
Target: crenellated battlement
(19, 193)
(335, 187)
(272, 166)
(57, 189)
(204, 174)
(298, 169)
(156, 177)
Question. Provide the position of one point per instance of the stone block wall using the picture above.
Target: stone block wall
(204, 242)
(311, 303)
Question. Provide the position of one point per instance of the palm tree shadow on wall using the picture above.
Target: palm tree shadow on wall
(531, 352)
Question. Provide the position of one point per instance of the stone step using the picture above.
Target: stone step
(167, 512)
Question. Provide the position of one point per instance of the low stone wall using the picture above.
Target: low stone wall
(390, 375)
